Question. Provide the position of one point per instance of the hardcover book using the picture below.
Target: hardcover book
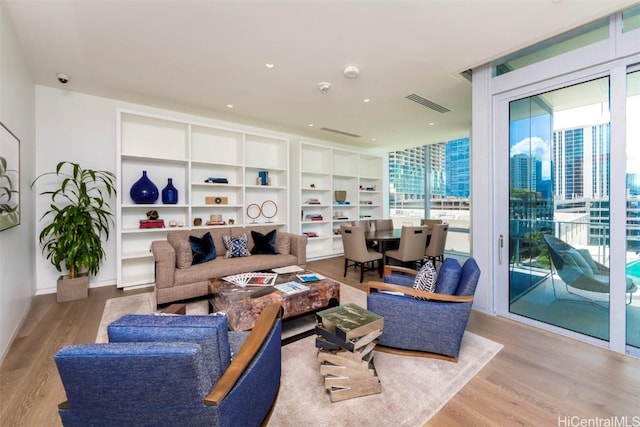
(349, 321)
(291, 287)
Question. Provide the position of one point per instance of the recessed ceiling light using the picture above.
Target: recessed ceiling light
(366, 100)
(229, 105)
(431, 124)
(269, 65)
(311, 125)
(373, 139)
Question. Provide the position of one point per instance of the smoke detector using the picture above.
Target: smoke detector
(351, 72)
(324, 87)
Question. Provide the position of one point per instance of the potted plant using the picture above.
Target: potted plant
(78, 218)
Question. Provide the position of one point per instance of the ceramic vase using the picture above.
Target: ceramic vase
(170, 194)
(144, 191)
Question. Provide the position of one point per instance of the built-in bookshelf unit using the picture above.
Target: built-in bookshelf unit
(336, 187)
(216, 172)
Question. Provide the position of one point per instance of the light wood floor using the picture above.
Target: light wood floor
(538, 379)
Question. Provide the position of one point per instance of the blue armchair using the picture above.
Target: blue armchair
(424, 323)
(173, 370)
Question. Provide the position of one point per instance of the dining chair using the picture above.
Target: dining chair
(437, 242)
(413, 241)
(363, 223)
(430, 222)
(356, 253)
(383, 224)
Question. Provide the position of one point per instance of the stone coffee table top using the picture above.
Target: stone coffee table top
(242, 310)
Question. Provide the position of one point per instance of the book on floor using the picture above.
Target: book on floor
(349, 321)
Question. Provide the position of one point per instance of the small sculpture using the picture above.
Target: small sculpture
(232, 221)
(152, 214)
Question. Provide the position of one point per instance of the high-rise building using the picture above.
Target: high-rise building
(457, 168)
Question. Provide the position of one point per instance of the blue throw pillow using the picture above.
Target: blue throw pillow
(236, 246)
(264, 244)
(448, 277)
(203, 249)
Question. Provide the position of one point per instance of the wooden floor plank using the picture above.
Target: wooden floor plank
(536, 378)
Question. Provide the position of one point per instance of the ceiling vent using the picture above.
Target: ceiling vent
(429, 104)
(340, 132)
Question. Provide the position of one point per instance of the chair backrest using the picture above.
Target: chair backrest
(573, 267)
(430, 222)
(355, 247)
(413, 241)
(383, 224)
(438, 240)
(363, 223)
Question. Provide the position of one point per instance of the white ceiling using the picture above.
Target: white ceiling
(197, 56)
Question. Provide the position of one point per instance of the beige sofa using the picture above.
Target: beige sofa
(177, 279)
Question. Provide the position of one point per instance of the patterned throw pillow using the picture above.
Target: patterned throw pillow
(426, 279)
(236, 246)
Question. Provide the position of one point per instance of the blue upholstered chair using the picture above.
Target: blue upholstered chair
(173, 370)
(432, 326)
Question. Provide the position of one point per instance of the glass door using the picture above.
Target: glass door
(559, 148)
(633, 209)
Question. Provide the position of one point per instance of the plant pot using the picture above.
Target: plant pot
(73, 289)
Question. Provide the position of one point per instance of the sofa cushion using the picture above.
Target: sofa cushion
(211, 332)
(203, 249)
(184, 255)
(448, 277)
(426, 278)
(264, 244)
(236, 246)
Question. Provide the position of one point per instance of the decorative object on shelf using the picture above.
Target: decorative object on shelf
(197, 222)
(173, 223)
(180, 224)
(215, 219)
(216, 200)
(170, 193)
(269, 209)
(78, 219)
(216, 180)
(253, 212)
(232, 221)
(264, 177)
(144, 191)
(313, 186)
(341, 197)
(152, 214)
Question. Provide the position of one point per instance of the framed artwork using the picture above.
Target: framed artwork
(9, 178)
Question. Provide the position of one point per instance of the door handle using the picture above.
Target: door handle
(500, 246)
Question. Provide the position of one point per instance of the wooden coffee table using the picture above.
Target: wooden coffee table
(243, 311)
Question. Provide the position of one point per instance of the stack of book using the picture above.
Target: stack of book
(152, 223)
(310, 234)
(314, 217)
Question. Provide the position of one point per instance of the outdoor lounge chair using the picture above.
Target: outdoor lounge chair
(578, 270)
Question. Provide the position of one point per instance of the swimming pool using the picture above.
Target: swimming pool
(633, 269)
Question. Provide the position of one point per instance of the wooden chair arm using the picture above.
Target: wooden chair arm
(388, 269)
(247, 352)
(416, 293)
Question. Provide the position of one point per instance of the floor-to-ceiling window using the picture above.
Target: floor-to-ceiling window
(633, 204)
(558, 207)
(566, 129)
(432, 181)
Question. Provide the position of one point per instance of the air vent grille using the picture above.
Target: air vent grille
(429, 104)
(340, 132)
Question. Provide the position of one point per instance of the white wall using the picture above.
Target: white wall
(17, 278)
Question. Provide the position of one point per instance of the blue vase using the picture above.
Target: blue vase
(144, 191)
(170, 194)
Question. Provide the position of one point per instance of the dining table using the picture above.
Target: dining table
(385, 237)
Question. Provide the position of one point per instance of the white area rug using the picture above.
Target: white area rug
(414, 389)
